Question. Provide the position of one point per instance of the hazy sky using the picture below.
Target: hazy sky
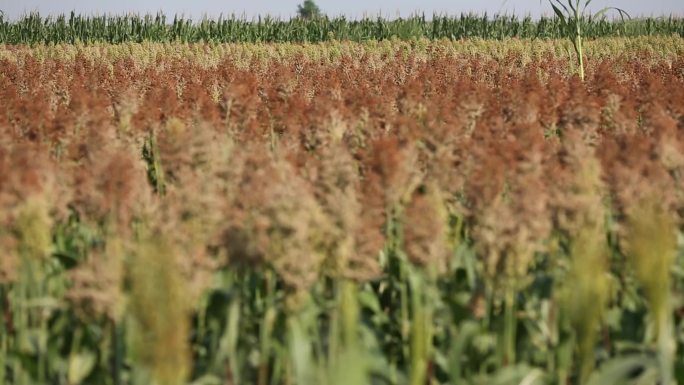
(350, 8)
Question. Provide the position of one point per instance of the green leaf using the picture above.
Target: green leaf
(370, 301)
(603, 11)
(567, 11)
(520, 375)
(633, 369)
(462, 337)
(207, 380)
(560, 15)
(80, 366)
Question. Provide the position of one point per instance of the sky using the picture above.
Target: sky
(349, 8)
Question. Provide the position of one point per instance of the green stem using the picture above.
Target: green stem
(578, 40)
(580, 55)
(3, 335)
(42, 350)
(267, 329)
(667, 346)
(334, 332)
(509, 327)
(118, 350)
(421, 335)
(232, 330)
(349, 314)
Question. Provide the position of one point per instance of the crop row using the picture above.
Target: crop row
(384, 219)
(33, 28)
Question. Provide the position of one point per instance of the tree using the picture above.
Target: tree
(308, 10)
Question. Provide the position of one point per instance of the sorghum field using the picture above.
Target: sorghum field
(342, 213)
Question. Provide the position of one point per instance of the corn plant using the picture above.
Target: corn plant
(573, 18)
(34, 28)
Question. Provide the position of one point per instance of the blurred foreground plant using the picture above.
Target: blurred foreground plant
(651, 248)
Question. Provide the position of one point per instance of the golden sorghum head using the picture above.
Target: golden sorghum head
(96, 284)
(159, 311)
(275, 219)
(425, 225)
(650, 243)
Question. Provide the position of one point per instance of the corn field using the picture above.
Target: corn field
(383, 212)
(35, 29)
